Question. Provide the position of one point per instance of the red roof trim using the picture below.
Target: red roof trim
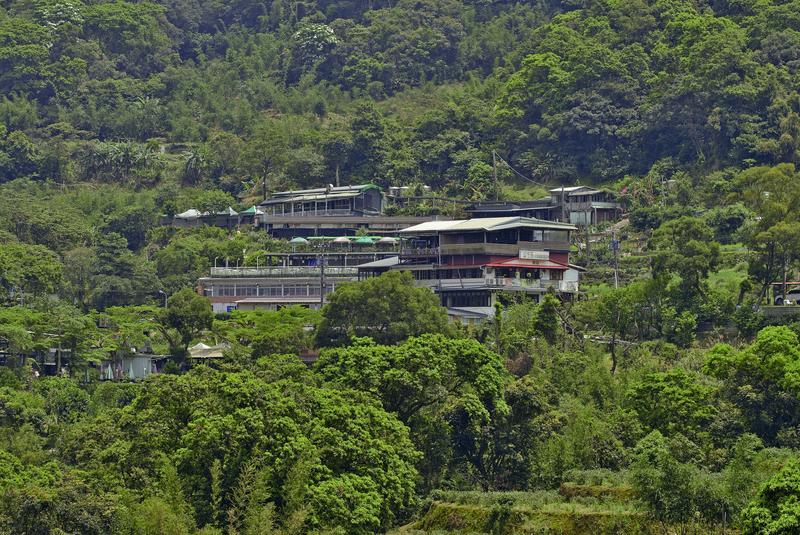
(530, 264)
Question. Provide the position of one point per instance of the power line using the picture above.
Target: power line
(495, 155)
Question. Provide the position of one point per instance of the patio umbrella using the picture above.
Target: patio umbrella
(341, 239)
(388, 240)
(299, 241)
(365, 240)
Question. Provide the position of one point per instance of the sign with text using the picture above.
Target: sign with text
(534, 255)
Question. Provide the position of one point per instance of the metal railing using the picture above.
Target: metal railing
(498, 283)
(419, 251)
(453, 284)
(532, 284)
(311, 213)
(280, 271)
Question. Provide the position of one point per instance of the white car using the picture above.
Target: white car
(792, 298)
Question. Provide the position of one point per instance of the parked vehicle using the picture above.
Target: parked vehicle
(792, 298)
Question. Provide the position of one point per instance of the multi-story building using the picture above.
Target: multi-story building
(579, 205)
(286, 279)
(331, 211)
(364, 199)
(469, 263)
(583, 205)
(537, 209)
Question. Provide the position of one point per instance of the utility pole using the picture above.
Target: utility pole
(321, 279)
(615, 245)
(588, 250)
(494, 171)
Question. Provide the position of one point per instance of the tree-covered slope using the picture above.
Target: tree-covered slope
(294, 92)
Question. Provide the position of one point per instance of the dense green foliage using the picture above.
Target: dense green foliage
(258, 95)
(668, 401)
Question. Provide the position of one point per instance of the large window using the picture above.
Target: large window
(464, 237)
(530, 235)
(503, 236)
(466, 299)
(243, 291)
(556, 235)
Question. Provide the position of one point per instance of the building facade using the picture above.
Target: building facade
(364, 199)
(303, 279)
(471, 263)
(578, 205)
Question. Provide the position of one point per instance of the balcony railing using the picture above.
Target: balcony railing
(311, 213)
(532, 284)
(277, 272)
(420, 251)
(453, 284)
(508, 283)
(481, 248)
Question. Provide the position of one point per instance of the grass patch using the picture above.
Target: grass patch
(576, 509)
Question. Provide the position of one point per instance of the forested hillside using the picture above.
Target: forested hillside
(393, 92)
(662, 399)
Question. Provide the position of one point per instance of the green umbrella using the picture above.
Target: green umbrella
(299, 241)
(365, 240)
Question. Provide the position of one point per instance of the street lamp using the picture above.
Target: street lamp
(162, 292)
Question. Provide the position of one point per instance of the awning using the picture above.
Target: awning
(251, 211)
(189, 214)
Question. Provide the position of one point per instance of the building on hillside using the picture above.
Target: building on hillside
(578, 205)
(250, 216)
(131, 366)
(204, 354)
(364, 199)
(583, 205)
(309, 226)
(229, 218)
(469, 263)
(189, 218)
(331, 211)
(538, 209)
(285, 279)
(420, 198)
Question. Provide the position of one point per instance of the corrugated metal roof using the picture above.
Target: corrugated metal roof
(588, 192)
(567, 189)
(485, 223)
(312, 197)
(334, 189)
(318, 193)
(431, 226)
